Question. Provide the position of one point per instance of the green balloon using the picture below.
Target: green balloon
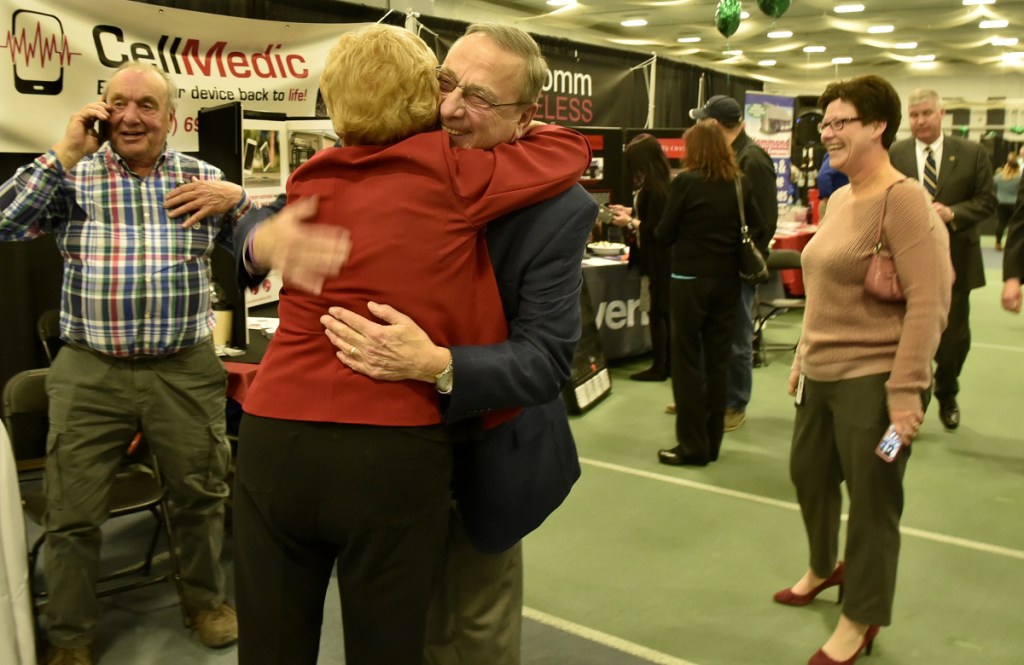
(773, 8)
(727, 17)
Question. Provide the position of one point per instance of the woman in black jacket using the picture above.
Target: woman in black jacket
(648, 167)
(701, 223)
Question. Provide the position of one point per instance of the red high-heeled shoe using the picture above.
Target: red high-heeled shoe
(822, 658)
(787, 597)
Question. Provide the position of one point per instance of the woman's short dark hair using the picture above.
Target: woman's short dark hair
(874, 98)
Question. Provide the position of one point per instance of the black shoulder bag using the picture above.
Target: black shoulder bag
(753, 268)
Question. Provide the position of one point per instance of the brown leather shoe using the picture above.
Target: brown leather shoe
(734, 419)
(218, 627)
(73, 656)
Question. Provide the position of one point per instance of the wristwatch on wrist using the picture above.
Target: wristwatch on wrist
(631, 225)
(443, 381)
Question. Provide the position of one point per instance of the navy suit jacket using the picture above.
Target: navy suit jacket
(965, 185)
(507, 483)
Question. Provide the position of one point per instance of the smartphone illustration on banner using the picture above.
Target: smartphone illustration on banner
(265, 155)
(40, 72)
(248, 155)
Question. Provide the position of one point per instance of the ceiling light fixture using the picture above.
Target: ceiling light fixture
(814, 49)
(733, 52)
(744, 15)
(993, 23)
(924, 58)
(688, 40)
(780, 34)
(634, 23)
(880, 29)
(848, 9)
(905, 45)
(973, 3)
(841, 61)
(561, 3)
(1004, 41)
(766, 63)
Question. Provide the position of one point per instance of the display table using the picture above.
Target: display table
(624, 330)
(793, 237)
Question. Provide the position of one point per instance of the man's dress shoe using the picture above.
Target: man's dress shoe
(949, 414)
(675, 458)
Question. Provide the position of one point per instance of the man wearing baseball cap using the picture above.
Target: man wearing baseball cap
(757, 167)
(720, 108)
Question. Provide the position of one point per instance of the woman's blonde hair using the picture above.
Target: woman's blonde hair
(708, 153)
(380, 85)
(1011, 167)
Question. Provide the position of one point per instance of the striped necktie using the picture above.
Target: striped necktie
(931, 175)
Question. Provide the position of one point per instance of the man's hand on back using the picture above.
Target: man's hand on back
(397, 350)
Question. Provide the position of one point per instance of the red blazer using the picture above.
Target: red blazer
(415, 210)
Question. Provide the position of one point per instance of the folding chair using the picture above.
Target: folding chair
(772, 301)
(48, 329)
(137, 488)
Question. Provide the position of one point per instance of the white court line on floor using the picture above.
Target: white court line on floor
(605, 639)
(965, 543)
(997, 347)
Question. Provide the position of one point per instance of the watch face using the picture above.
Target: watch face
(443, 381)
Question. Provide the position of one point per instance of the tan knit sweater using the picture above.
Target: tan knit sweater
(847, 333)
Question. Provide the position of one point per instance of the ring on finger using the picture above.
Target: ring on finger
(353, 351)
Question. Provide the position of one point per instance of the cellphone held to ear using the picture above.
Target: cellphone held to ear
(102, 130)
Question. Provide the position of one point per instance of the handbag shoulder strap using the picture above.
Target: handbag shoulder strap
(743, 216)
(881, 218)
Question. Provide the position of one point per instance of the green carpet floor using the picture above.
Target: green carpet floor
(678, 565)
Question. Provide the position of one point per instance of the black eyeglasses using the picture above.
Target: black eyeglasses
(836, 124)
(473, 96)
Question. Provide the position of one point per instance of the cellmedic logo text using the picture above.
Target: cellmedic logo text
(189, 56)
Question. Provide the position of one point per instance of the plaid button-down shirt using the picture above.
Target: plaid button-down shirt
(135, 282)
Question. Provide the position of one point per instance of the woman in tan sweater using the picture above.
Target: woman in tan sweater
(862, 364)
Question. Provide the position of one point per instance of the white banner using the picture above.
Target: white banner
(63, 51)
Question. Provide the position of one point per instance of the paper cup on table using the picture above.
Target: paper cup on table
(222, 327)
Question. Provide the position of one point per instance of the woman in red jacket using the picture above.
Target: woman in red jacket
(333, 466)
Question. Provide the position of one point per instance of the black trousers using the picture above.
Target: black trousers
(703, 314)
(954, 345)
(1005, 211)
(372, 500)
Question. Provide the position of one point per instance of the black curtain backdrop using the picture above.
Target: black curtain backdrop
(592, 86)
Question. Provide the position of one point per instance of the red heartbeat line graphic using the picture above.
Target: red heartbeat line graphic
(45, 48)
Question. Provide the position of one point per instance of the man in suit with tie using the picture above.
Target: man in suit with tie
(958, 175)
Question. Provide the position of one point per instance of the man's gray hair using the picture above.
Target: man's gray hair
(518, 41)
(172, 88)
(924, 95)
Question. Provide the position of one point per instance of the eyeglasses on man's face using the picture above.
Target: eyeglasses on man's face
(474, 97)
(836, 124)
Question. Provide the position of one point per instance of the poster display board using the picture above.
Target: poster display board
(769, 122)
